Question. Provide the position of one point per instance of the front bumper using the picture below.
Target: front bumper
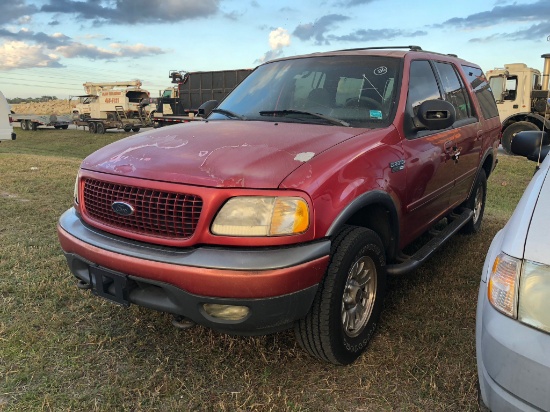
(277, 284)
(512, 359)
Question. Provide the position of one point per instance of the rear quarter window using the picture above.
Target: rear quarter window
(482, 89)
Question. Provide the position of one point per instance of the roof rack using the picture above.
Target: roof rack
(411, 47)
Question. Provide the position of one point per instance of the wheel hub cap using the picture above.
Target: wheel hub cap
(359, 295)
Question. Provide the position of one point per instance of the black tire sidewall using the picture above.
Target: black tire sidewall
(511, 130)
(364, 242)
(471, 226)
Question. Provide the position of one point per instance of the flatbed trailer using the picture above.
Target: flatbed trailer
(117, 120)
(33, 121)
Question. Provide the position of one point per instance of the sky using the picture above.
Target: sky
(52, 47)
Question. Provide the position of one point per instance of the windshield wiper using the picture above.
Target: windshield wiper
(329, 119)
(229, 113)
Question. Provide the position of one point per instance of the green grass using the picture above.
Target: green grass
(62, 349)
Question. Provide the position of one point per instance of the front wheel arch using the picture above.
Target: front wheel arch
(375, 210)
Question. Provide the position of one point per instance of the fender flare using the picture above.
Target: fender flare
(375, 197)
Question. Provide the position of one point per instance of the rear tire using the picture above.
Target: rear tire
(100, 128)
(92, 127)
(476, 202)
(24, 125)
(135, 129)
(348, 303)
(510, 132)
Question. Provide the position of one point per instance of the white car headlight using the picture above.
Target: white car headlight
(502, 287)
(520, 289)
(262, 216)
(534, 292)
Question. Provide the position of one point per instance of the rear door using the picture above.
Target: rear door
(464, 149)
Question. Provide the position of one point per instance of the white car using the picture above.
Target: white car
(513, 311)
(6, 129)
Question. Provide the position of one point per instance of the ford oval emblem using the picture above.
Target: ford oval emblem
(122, 208)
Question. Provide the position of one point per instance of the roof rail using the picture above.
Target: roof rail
(411, 47)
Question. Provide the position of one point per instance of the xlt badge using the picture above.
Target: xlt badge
(397, 166)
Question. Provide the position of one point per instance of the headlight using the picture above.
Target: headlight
(520, 289)
(75, 191)
(502, 287)
(534, 291)
(262, 216)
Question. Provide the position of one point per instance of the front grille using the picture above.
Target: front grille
(156, 213)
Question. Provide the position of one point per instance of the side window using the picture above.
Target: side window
(454, 90)
(483, 91)
(422, 85)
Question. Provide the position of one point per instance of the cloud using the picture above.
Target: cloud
(534, 12)
(49, 41)
(278, 39)
(24, 20)
(60, 45)
(14, 10)
(368, 35)
(348, 3)
(536, 32)
(115, 51)
(136, 50)
(134, 11)
(20, 55)
(319, 28)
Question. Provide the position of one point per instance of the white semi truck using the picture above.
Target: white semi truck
(521, 93)
(112, 105)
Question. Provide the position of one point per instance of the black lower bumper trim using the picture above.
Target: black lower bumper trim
(266, 315)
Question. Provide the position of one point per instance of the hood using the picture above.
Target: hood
(223, 153)
(536, 242)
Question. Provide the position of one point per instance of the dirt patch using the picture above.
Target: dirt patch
(57, 107)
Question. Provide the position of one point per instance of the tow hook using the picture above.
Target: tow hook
(182, 322)
(83, 285)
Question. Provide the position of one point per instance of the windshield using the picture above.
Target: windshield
(497, 86)
(357, 91)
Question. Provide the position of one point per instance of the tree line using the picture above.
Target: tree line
(18, 100)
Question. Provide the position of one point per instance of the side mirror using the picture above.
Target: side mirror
(532, 144)
(206, 108)
(435, 115)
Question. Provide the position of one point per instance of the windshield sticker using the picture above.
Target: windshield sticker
(375, 114)
(380, 70)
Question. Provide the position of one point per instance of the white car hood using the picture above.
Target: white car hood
(537, 244)
(527, 233)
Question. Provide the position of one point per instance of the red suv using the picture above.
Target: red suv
(293, 200)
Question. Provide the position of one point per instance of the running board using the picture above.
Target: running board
(414, 261)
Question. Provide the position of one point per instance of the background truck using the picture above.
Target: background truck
(112, 105)
(521, 94)
(33, 121)
(180, 103)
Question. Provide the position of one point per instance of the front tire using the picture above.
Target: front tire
(347, 307)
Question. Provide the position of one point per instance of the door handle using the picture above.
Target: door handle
(456, 155)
